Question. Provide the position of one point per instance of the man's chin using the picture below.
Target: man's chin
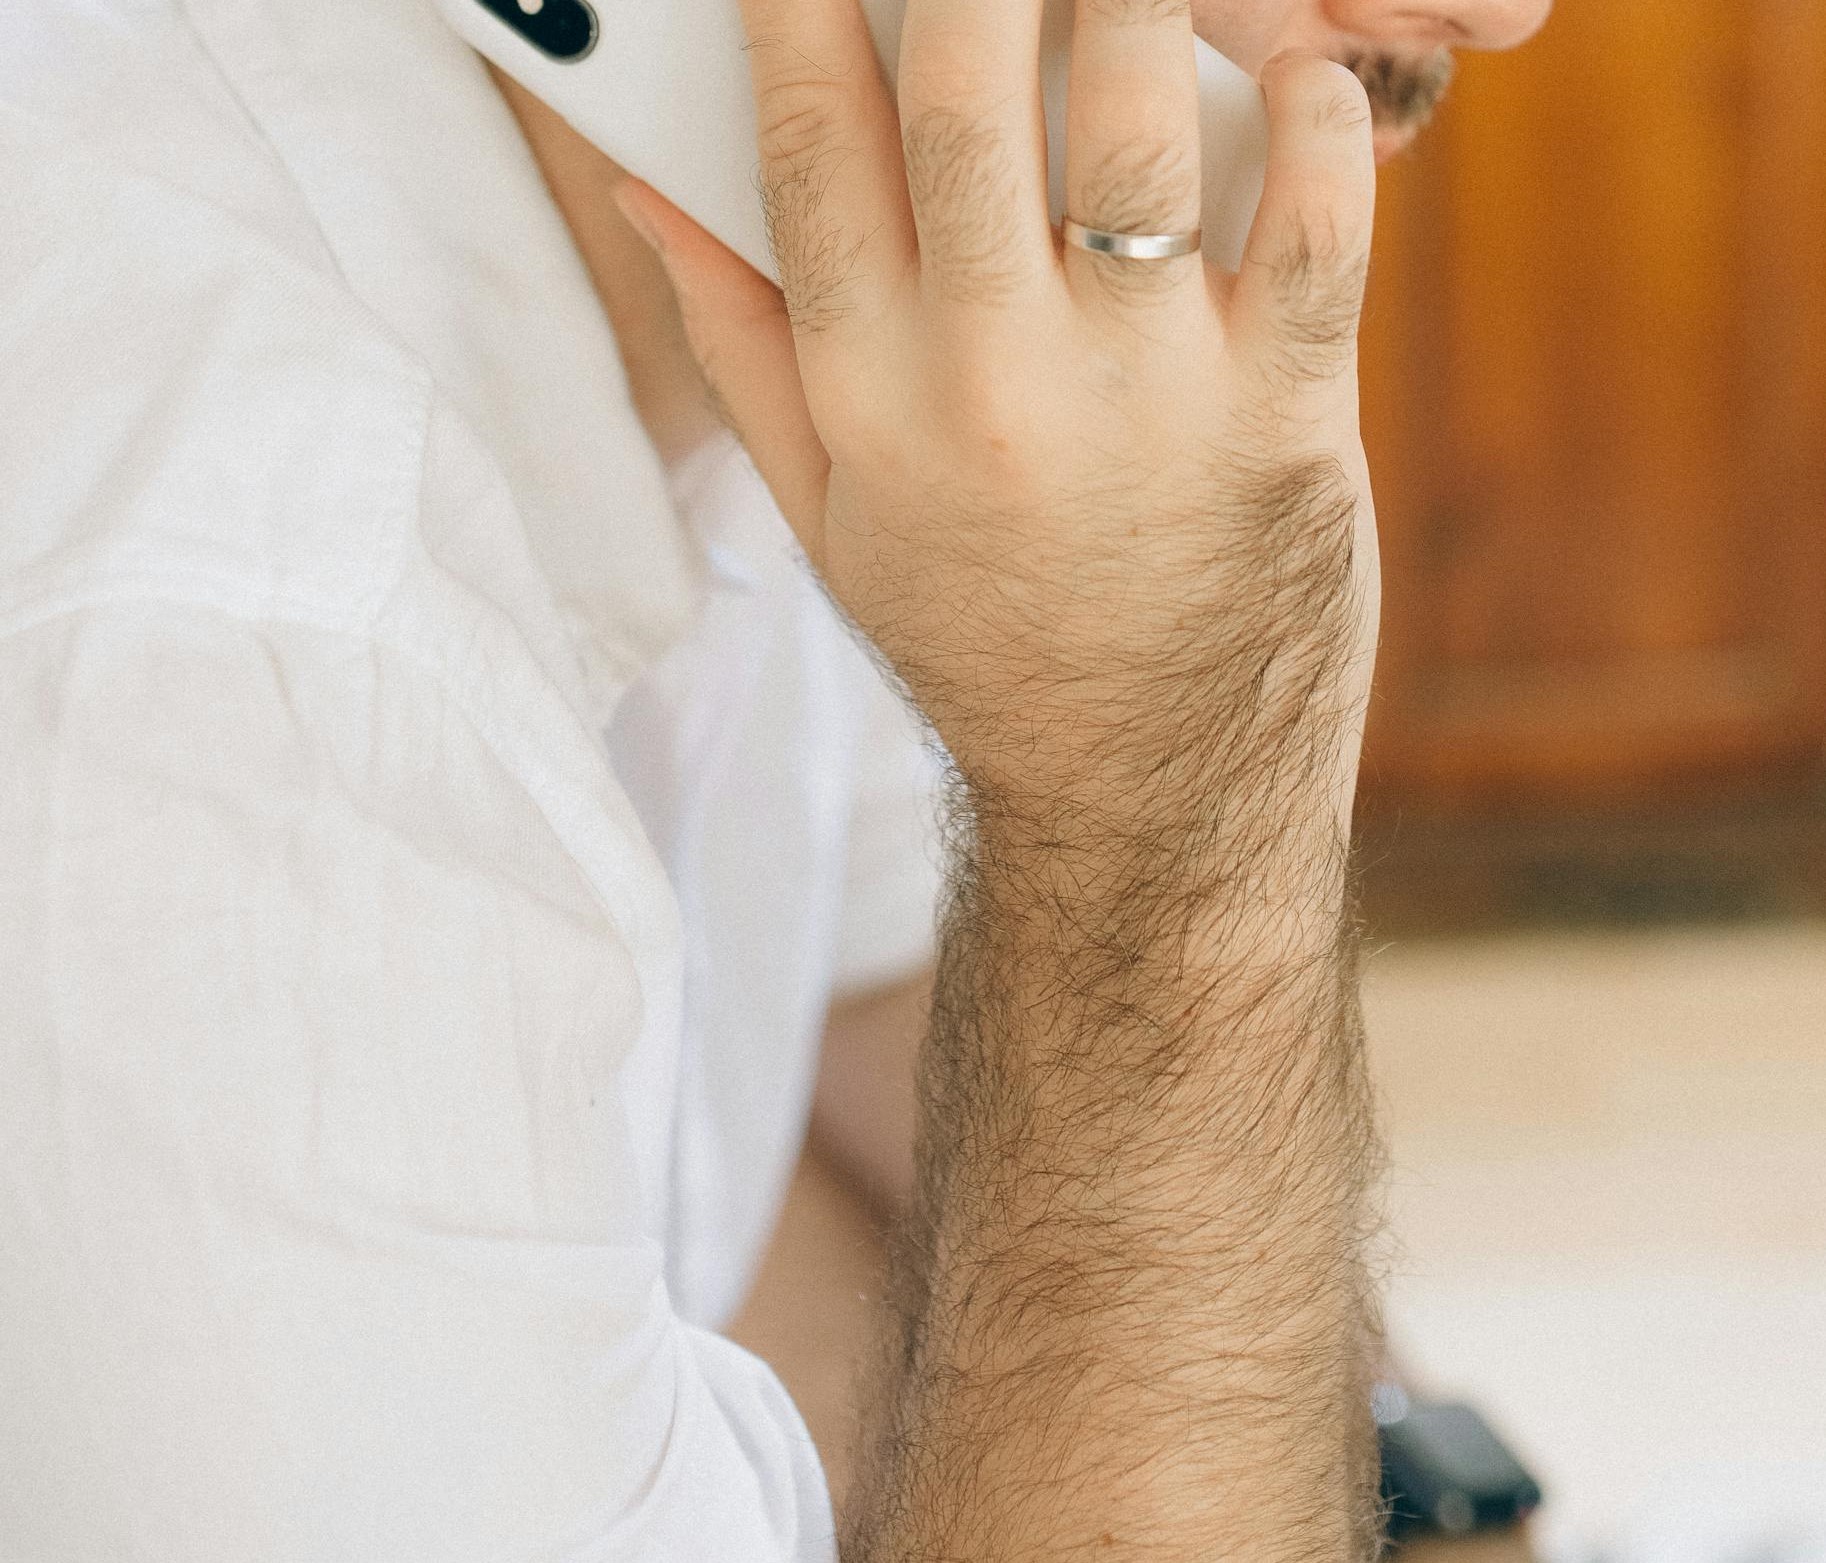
(1391, 140)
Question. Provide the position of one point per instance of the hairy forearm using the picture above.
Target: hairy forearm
(1134, 1308)
(1134, 1316)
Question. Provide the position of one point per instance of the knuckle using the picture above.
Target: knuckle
(1144, 186)
(1317, 281)
(999, 430)
(798, 118)
(1315, 257)
(962, 189)
(814, 259)
(799, 134)
(939, 139)
(946, 68)
(1148, 186)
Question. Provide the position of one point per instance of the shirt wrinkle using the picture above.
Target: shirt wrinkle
(185, 12)
(430, 834)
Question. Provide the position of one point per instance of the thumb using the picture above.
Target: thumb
(737, 325)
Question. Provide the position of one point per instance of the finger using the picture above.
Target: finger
(1299, 293)
(974, 136)
(830, 172)
(737, 325)
(1132, 160)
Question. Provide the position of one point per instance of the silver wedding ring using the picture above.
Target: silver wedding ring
(1131, 246)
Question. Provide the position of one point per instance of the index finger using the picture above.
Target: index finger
(830, 173)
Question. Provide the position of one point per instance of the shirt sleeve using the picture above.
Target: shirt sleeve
(319, 1230)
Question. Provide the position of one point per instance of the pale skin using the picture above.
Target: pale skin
(1113, 530)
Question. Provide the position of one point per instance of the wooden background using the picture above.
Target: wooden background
(1595, 400)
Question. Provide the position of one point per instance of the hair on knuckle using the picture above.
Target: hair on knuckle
(1317, 282)
(800, 137)
(795, 137)
(814, 260)
(959, 181)
(1142, 187)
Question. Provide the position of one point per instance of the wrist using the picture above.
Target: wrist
(1180, 793)
(1165, 864)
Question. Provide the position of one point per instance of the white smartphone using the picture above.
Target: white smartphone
(662, 86)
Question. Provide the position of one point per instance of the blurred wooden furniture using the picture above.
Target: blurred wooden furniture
(1595, 400)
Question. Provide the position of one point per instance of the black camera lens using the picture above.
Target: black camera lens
(564, 29)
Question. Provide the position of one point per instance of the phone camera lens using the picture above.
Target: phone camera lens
(564, 29)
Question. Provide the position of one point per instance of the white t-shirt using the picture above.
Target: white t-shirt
(430, 834)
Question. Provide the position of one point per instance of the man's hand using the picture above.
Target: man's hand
(1110, 522)
(1058, 490)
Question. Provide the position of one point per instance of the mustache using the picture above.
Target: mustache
(1403, 92)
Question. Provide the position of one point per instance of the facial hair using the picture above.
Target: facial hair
(1403, 92)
